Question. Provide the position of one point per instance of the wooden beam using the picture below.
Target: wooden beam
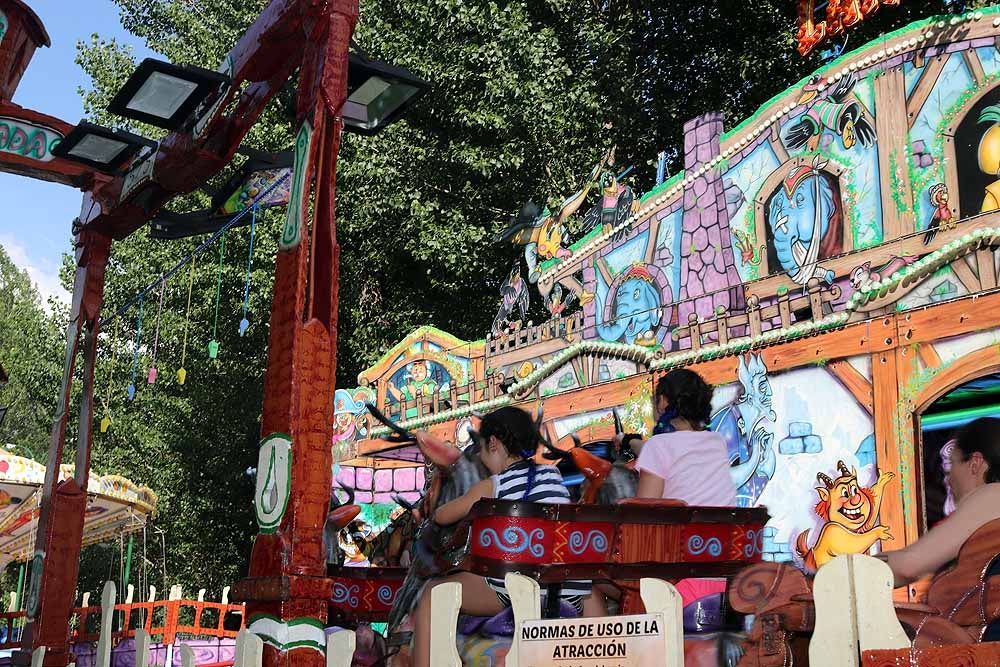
(975, 66)
(654, 231)
(602, 266)
(888, 375)
(776, 145)
(928, 355)
(893, 165)
(986, 268)
(854, 382)
(925, 85)
(952, 318)
(966, 275)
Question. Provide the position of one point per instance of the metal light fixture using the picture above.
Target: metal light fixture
(100, 147)
(163, 94)
(377, 93)
(243, 189)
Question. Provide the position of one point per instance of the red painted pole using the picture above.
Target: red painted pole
(60, 524)
(287, 591)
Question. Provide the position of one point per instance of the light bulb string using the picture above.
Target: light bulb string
(218, 285)
(187, 314)
(246, 288)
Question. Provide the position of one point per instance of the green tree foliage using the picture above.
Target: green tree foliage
(31, 344)
(525, 97)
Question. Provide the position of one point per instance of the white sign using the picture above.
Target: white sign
(613, 641)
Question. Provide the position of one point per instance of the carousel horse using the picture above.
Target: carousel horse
(962, 605)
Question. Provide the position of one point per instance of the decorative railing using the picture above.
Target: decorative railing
(164, 620)
(567, 327)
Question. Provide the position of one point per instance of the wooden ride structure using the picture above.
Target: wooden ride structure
(962, 602)
(826, 352)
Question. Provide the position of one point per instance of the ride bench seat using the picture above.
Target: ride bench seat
(622, 544)
(962, 609)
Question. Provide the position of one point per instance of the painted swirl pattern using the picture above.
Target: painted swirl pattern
(348, 594)
(753, 545)
(595, 540)
(698, 545)
(514, 540)
(386, 594)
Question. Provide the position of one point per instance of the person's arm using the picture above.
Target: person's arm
(650, 485)
(457, 509)
(941, 544)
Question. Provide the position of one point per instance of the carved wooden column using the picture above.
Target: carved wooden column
(287, 590)
(56, 561)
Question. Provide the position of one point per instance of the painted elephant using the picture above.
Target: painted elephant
(637, 308)
(804, 219)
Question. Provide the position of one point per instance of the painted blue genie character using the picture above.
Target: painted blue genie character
(804, 217)
(747, 426)
(636, 309)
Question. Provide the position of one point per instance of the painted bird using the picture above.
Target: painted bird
(839, 112)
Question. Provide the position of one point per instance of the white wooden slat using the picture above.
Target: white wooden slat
(142, 640)
(658, 596)
(187, 656)
(340, 647)
(446, 601)
(526, 601)
(108, 596)
(878, 627)
(835, 638)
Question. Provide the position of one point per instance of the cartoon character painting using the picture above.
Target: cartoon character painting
(514, 294)
(543, 233)
(747, 425)
(839, 112)
(850, 513)
(804, 221)
(420, 382)
(941, 218)
(350, 417)
(864, 276)
(989, 157)
(617, 203)
(748, 254)
(633, 310)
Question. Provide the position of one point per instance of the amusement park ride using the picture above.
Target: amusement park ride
(829, 264)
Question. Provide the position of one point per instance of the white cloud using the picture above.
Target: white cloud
(44, 274)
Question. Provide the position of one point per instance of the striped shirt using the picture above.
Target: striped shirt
(547, 487)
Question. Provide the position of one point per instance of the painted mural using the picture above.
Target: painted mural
(782, 437)
(863, 196)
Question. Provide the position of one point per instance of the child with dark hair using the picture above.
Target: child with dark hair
(508, 441)
(683, 460)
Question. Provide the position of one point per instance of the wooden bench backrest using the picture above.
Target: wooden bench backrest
(960, 592)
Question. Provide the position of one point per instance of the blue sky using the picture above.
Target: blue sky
(36, 216)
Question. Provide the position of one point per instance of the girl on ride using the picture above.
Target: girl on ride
(508, 442)
(974, 478)
(681, 461)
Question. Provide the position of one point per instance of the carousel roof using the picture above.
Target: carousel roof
(116, 506)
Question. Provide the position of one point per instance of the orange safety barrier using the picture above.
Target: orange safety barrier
(161, 619)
